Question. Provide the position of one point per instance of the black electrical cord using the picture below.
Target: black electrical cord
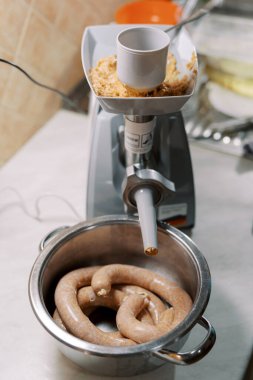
(55, 90)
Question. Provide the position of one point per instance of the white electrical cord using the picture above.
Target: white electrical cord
(37, 214)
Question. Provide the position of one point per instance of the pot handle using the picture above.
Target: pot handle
(50, 236)
(190, 357)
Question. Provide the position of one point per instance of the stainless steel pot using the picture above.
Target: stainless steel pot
(117, 239)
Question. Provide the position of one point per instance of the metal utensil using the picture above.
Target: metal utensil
(187, 8)
(218, 130)
(209, 6)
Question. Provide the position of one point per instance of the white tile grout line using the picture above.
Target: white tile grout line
(19, 45)
(24, 30)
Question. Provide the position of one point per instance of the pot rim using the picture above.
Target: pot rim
(42, 314)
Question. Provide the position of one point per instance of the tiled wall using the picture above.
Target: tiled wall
(42, 36)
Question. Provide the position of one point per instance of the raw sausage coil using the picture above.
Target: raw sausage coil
(71, 314)
(141, 315)
(73, 298)
(129, 325)
(155, 307)
(128, 274)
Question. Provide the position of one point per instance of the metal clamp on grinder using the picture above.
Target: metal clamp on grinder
(139, 158)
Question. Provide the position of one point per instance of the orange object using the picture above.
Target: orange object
(149, 12)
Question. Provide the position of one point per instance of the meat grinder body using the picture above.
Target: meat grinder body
(170, 156)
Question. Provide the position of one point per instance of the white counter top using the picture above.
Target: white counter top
(55, 161)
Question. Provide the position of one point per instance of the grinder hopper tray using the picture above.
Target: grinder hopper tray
(100, 42)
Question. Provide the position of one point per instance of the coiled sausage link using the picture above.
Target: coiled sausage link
(133, 301)
(86, 297)
(73, 290)
(128, 274)
(71, 314)
(129, 326)
(155, 307)
(88, 301)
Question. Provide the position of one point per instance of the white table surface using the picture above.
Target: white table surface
(55, 161)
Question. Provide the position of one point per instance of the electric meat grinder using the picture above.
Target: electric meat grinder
(139, 157)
